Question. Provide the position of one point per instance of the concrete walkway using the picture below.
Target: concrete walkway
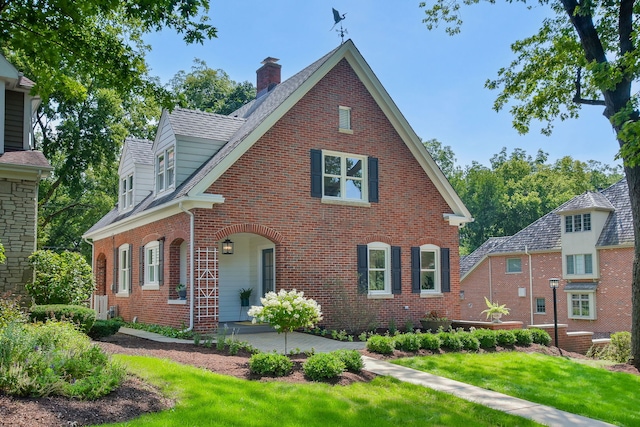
(270, 341)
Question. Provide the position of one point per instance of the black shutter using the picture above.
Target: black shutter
(363, 269)
(141, 267)
(161, 261)
(114, 282)
(396, 277)
(130, 268)
(316, 173)
(373, 179)
(415, 270)
(445, 273)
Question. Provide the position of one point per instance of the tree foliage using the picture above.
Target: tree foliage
(210, 90)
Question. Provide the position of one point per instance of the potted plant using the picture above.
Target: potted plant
(495, 310)
(245, 294)
(432, 321)
(181, 289)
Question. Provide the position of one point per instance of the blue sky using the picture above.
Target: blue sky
(436, 80)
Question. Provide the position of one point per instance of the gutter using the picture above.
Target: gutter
(191, 267)
(526, 251)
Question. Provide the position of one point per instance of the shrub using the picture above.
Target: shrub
(63, 278)
(450, 340)
(104, 328)
(430, 342)
(523, 337)
(286, 312)
(54, 359)
(486, 337)
(469, 342)
(618, 350)
(539, 336)
(352, 359)
(83, 317)
(323, 366)
(408, 342)
(381, 344)
(505, 338)
(166, 331)
(10, 311)
(273, 364)
(3, 258)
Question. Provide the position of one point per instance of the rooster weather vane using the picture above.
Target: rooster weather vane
(338, 18)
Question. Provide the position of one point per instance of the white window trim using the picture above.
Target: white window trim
(126, 192)
(507, 266)
(342, 110)
(582, 222)
(166, 187)
(124, 287)
(387, 271)
(148, 283)
(436, 288)
(592, 305)
(575, 274)
(364, 195)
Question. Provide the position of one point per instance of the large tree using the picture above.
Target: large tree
(585, 53)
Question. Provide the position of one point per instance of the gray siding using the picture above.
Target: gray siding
(14, 121)
(190, 155)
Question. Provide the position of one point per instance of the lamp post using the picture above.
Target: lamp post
(553, 284)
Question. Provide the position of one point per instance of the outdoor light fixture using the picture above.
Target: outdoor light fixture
(553, 284)
(227, 247)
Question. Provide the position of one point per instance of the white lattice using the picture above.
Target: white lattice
(206, 301)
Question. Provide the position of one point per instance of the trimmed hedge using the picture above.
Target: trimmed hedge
(323, 366)
(381, 344)
(274, 364)
(104, 328)
(540, 336)
(83, 317)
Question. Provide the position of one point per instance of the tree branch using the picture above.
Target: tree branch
(577, 98)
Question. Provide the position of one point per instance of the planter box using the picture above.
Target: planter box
(434, 325)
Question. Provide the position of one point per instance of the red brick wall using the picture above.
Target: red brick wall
(613, 295)
(267, 192)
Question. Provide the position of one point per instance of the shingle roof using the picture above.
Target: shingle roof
(140, 150)
(545, 233)
(25, 158)
(200, 124)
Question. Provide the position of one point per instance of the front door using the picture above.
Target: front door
(268, 280)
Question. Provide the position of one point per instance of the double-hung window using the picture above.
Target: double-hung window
(152, 263)
(344, 176)
(165, 167)
(514, 265)
(581, 305)
(126, 192)
(124, 269)
(577, 223)
(379, 268)
(541, 306)
(579, 264)
(429, 274)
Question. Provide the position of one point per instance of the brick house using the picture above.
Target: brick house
(21, 170)
(587, 243)
(318, 180)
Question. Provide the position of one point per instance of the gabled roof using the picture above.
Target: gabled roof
(245, 126)
(139, 150)
(545, 233)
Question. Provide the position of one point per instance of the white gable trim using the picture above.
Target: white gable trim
(204, 201)
(349, 52)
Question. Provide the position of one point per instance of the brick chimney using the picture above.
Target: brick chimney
(268, 76)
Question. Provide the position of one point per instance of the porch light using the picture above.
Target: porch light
(227, 247)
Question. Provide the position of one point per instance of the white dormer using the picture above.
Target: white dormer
(136, 174)
(18, 108)
(582, 221)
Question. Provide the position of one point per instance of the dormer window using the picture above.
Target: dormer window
(577, 223)
(165, 165)
(126, 192)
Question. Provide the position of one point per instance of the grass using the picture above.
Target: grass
(208, 399)
(554, 381)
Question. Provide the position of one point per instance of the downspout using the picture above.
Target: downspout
(191, 271)
(93, 269)
(35, 225)
(490, 282)
(526, 251)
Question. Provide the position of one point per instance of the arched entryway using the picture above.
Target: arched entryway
(252, 265)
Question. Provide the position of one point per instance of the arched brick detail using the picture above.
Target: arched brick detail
(258, 229)
(378, 238)
(150, 238)
(431, 241)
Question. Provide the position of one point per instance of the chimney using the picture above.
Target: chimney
(267, 76)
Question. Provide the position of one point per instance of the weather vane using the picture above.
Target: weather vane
(338, 18)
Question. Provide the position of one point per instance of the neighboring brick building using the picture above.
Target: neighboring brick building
(319, 180)
(20, 172)
(587, 243)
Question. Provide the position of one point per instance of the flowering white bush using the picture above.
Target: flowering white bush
(287, 311)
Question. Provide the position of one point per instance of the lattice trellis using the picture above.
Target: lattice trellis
(206, 303)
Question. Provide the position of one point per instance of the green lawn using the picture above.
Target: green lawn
(554, 381)
(208, 399)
